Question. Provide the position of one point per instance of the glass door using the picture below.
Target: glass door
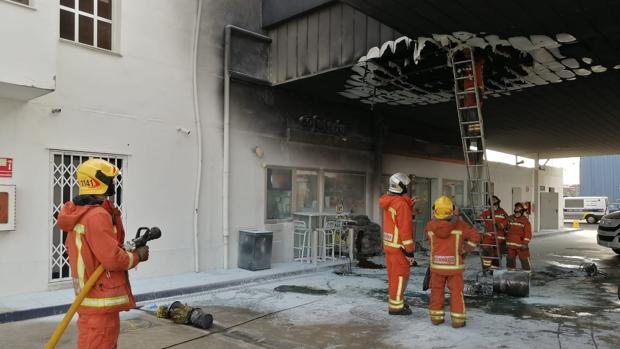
(422, 209)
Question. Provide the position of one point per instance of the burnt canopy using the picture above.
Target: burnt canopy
(552, 84)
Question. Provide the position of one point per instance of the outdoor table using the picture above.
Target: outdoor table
(310, 217)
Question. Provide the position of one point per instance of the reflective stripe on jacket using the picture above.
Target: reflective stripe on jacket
(518, 231)
(501, 218)
(397, 223)
(447, 242)
(92, 241)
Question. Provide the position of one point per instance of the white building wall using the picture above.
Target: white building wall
(129, 103)
(29, 37)
(504, 177)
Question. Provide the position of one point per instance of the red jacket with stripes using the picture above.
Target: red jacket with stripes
(518, 232)
(93, 240)
(449, 240)
(397, 223)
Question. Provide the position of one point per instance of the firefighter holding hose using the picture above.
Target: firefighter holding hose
(95, 237)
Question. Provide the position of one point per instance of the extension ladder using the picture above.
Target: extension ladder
(474, 150)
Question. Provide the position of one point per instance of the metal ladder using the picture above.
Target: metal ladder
(474, 149)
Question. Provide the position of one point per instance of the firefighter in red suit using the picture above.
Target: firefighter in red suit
(518, 236)
(398, 243)
(488, 237)
(449, 238)
(95, 237)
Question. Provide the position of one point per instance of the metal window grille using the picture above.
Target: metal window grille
(63, 166)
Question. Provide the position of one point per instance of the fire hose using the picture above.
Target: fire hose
(138, 241)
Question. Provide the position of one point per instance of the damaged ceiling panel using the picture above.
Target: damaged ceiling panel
(567, 50)
(409, 71)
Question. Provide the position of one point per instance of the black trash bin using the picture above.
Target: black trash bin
(255, 249)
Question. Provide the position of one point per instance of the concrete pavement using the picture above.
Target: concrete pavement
(566, 309)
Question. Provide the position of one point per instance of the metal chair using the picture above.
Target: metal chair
(342, 234)
(301, 242)
(326, 237)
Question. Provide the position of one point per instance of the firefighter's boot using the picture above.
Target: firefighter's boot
(403, 311)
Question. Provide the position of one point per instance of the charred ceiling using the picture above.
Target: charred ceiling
(551, 72)
(416, 71)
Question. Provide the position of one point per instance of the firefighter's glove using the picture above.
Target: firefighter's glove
(143, 253)
(409, 256)
(525, 246)
(467, 248)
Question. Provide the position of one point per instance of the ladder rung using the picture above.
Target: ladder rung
(469, 122)
(470, 137)
(475, 151)
(464, 77)
(462, 62)
(466, 92)
(479, 179)
(468, 108)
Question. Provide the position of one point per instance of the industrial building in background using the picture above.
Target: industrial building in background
(600, 176)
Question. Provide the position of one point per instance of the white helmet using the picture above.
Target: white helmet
(398, 183)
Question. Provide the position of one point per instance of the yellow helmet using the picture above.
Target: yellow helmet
(443, 207)
(96, 177)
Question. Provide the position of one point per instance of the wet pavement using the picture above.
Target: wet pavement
(566, 309)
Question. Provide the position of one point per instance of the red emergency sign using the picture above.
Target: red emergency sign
(6, 167)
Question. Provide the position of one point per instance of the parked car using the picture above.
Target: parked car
(608, 232)
(590, 208)
(611, 208)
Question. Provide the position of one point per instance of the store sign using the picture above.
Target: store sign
(314, 123)
(6, 167)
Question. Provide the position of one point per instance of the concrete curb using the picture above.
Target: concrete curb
(21, 315)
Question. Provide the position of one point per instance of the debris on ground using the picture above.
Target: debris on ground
(304, 290)
(367, 264)
(183, 314)
(591, 269)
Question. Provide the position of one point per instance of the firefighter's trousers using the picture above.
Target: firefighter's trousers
(398, 270)
(524, 257)
(455, 284)
(489, 251)
(98, 331)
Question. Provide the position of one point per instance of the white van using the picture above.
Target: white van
(590, 208)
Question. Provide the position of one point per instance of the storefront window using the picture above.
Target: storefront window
(279, 193)
(346, 192)
(454, 189)
(306, 191)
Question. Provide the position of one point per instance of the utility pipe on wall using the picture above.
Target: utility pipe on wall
(198, 135)
(536, 194)
(226, 165)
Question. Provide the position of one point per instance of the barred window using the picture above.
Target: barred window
(64, 188)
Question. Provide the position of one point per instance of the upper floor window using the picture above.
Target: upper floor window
(87, 21)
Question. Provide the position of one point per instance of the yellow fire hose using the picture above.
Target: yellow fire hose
(62, 326)
(143, 235)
